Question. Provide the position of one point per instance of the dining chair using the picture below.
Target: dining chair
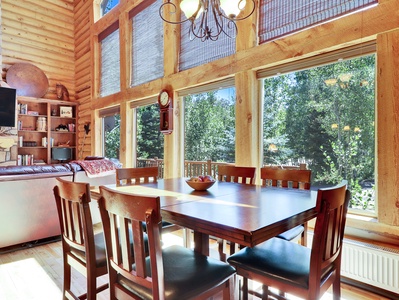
(242, 175)
(294, 178)
(174, 272)
(132, 176)
(82, 249)
(135, 176)
(293, 268)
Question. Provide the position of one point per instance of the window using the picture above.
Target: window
(194, 52)
(111, 132)
(107, 5)
(324, 116)
(110, 64)
(209, 120)
(150, 141)
(280, 17)
(147, 45)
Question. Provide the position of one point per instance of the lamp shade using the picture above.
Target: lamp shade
(189, 7)
(232, 8)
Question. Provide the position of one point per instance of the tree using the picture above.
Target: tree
(209, 127)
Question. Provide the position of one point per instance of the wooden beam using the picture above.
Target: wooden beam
(387, 139)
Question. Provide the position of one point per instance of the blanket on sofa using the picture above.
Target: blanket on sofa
(97, 168)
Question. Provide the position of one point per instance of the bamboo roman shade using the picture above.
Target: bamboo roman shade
(281, 17)
(195, 52)
(147, 45)
(110, 64)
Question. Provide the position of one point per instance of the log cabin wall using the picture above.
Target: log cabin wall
(40, 33)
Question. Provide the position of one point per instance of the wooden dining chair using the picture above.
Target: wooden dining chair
(294, 178)
(135, 176)
(293, 268)
(82, 250)
(242, 175)
(131, 176)
(174, 272)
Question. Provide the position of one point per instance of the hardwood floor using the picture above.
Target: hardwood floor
(36, 273)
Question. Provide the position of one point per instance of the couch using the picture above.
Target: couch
(28, 213)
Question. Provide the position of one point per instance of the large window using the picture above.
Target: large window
(110, 64)
(209, 120)
(324, 117)
(111, 133)
(147, 45)
(107, 5)
(150, 141)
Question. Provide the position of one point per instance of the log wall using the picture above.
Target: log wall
(40, 33)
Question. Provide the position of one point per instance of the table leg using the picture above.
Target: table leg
(201, 243)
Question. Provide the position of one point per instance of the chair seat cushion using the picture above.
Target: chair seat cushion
(292, 233)
(275, 258)
(186, 274)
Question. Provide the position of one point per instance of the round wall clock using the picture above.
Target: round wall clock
(164, 99)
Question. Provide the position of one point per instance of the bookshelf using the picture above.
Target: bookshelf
(44, 124)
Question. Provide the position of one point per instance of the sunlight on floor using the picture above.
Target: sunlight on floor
(31, 275)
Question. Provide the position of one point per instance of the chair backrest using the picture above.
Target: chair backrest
(131, 176)
(245, 175)
(283, 177)
(72, 199)
(332, 206)
(119, 213)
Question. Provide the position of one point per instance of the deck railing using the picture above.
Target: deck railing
(195, 168)
(191, 168)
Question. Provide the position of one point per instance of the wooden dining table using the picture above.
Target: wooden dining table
(244, 214)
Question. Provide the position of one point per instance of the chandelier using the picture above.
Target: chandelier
(208, 18)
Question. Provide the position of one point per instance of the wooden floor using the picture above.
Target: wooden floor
(36, 273)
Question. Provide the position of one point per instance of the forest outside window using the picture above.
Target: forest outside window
(324, 117)
(209, 128)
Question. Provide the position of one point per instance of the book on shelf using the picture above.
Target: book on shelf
(25, 159)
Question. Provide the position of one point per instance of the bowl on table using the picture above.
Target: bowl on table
(200, 186)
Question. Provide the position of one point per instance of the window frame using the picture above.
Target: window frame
(352, 52)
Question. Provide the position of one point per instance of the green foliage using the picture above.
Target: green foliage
(150, 141)
(112, 136)
(299, 111)
(209, 127)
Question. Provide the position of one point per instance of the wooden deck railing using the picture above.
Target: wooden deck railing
(191, 168)
(195, 168)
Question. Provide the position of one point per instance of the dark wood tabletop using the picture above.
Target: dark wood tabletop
(244, 214)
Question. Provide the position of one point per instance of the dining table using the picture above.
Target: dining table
(240, 213)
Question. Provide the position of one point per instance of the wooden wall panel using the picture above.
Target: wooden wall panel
(41, 33)
(83, 71)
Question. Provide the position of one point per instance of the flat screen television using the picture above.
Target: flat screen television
(61, 154)
(8, 107)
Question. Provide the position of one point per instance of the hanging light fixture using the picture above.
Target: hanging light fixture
(208, 18)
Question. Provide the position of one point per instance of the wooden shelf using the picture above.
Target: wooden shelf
(45, 108)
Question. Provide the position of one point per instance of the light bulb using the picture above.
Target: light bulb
(189, 7)
(232, 8)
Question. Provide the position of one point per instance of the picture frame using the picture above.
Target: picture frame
(66, 111)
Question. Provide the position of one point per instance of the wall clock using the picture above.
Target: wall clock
(166, 112)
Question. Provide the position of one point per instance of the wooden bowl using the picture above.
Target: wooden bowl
(200, 186)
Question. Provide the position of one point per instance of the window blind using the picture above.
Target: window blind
(281, 17)
(195, 52)
(109, 111)
(147, 45)
(110, 64)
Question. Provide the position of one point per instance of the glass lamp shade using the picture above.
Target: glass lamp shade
(232, 8)
(189, 7)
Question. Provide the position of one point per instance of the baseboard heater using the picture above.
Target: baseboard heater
(369, 264)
